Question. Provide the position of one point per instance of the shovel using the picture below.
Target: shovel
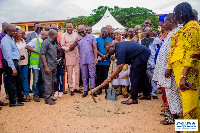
(111, 94)
(93, 91)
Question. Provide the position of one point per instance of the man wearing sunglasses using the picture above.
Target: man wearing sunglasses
(147, 23)
(88, 57)
(35, 34)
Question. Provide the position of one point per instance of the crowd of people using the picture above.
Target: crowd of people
(139, 60)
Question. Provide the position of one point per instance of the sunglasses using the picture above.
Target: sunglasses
(81, 32)
(39, 27)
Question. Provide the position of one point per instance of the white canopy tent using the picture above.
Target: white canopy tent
(107, 19)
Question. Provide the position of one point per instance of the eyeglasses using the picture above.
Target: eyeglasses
(81, 32)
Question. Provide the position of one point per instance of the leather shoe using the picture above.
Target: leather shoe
(94, 94)
(16, 104)
(130, 101)
(85, 94)
(53, 99)
(144, 97)
(64, 92)
(71, 93)
(24, 100)
(50, 102)
(41, 96)
(155, 97)
(3, 104)
(78, 91)
(99, 92)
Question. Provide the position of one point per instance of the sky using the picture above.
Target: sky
(42, 10)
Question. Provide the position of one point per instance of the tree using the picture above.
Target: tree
(76, 21)
(128, 17)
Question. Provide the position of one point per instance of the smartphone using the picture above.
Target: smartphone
(188, 84)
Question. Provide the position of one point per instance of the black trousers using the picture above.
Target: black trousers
(80, 80)
(139, 80)
(12, 82)
(102, 74)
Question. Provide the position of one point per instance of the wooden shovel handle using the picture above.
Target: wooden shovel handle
(95, 89)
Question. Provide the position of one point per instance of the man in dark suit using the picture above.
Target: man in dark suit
(35, 34)
(136, 55)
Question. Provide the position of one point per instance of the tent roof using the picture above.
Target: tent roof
(107, 19)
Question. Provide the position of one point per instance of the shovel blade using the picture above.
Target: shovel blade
(110, 94)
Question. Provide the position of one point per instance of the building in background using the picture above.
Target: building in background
(28, 26)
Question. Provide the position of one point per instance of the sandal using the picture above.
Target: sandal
(163, 114)
(166, 114)
(118, 93)
(125, 95)
(167, 121)
(164, 110)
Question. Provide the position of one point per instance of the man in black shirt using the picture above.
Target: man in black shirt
(136, 55)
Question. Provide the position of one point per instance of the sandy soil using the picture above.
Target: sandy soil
(74, 114)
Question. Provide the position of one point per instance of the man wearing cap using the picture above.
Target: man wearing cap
(164, 32)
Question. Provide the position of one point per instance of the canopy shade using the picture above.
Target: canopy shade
(107, 19)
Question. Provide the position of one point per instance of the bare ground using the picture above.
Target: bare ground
(73, 114)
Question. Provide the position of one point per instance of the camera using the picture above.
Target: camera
(22, 57)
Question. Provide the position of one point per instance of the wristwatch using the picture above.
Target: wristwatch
(182, 76)
(109, 80)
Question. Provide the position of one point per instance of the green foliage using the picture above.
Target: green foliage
(128, 17)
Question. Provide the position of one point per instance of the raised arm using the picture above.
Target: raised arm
(72, 47)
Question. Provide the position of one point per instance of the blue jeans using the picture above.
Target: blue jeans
(59, 79)
(38, 83)
(24, 75)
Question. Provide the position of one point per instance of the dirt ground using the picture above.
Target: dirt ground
(74, 114)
